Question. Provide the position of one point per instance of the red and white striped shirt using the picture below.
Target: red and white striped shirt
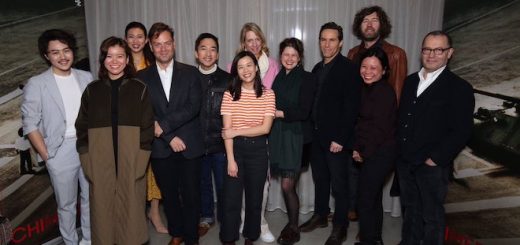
(249, 111)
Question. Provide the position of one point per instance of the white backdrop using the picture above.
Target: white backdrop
(411, 20)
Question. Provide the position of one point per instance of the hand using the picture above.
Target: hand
(356, 156)
(430, 162)
(45, 156)
(228, 133)
(177, 144)
(232, 168)
(278, 114)
(157, 129)
(335, 147)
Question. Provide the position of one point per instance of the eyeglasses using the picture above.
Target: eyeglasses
(436, 51)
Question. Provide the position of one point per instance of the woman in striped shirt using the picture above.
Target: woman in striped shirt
(248, 112)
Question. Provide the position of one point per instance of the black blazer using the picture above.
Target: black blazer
(180, 115)
(338, 103)
(438, 123)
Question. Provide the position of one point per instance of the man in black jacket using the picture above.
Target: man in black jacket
(214, 82)
(178, 145)
(335, 110)
(435, 122)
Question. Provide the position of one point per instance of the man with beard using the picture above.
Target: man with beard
(372, 26)
(178, 145)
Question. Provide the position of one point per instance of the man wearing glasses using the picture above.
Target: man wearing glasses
(178, 144)
(435, 121)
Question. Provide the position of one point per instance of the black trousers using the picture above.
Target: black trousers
(423, 192)
(372, 176)
(330, 170)
(178, 179)
(251, 157)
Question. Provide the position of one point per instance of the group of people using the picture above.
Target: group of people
(153, 128)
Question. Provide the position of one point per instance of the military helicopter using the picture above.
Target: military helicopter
(496, 134)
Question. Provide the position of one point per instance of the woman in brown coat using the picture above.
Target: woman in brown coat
(115, 131)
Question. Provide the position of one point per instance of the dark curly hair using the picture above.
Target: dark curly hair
(63, 36)
(385, 27)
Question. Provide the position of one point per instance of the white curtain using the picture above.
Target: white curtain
(411, 20)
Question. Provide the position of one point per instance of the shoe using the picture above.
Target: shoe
(84, 242)
(288, 236)
(158, 225)
(352, 216)
(267, 236)
(176, 241)
(316, 221)
(337, 236)
(248, 242)
(228, 243)
(203, 228)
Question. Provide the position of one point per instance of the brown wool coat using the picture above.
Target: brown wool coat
(117, 201)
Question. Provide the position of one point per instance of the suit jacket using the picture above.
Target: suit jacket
(180, 115)
(438, 123)
(43, 109)
(338, 103)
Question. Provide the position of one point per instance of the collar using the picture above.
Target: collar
(168, 68)
(430, 74)
(207, 72)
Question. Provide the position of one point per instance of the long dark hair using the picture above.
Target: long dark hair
(103, 51)
(148, 55)
(235, 87)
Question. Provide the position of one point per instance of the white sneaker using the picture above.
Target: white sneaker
(267, 236)
(84, 242)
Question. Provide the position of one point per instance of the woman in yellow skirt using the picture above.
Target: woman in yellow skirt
(135, 35)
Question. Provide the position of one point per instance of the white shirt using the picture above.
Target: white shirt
(71, 96)
(22, 144)
(429, 78)
(166, 78)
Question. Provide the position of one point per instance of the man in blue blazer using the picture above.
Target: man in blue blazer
(178, 145)
(50, 105)
(435, 122)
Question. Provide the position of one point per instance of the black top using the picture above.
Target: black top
(114, 105)
(336, 106)
(436, 124)
(376, 123)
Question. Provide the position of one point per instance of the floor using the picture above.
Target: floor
(278, 219)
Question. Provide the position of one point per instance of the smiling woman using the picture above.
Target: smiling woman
(115, 131)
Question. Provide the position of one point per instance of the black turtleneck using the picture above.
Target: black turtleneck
(114, 104)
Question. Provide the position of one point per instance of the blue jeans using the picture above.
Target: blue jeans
(216, 163)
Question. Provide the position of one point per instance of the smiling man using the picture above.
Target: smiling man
(334, 114)
(434, 124)
(214, 82)
(50, 105)
(178, 144)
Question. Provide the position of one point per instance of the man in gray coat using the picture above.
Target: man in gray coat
(50, 105)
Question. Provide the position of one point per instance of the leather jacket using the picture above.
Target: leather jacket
(213, 87)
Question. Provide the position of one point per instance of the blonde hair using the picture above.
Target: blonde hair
(256, 29)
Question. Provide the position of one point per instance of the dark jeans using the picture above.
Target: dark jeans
(423, 192)
(330, 170)
(372, 176)
(216, 163)
(25, 161)
(354, 172)
(178, 179)
(251, 157)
